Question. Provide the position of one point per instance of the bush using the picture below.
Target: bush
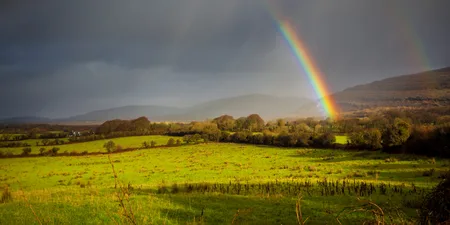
(367, 139)
(145, 144)
(6, 195)
(324, 140)
(171, 142)
(428, 173)
(41, 151)
(110, 146)
(436, 206)
(152, 144)
(26, 151)
(55, 150)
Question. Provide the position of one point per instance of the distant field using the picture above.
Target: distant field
(341, 139)
(80, 189)
(93, 146)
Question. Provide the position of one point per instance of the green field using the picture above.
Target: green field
(93, 146)
(80, 189)
(341, 139)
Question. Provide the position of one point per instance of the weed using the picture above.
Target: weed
(432, 161)
(428, 173)
(298, 211)
(175, 188)
(311, 168)
(391, 159)
(6, 195)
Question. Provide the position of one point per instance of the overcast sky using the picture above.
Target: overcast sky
(61, 58)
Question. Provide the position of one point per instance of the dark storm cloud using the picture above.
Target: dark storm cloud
(68, 57)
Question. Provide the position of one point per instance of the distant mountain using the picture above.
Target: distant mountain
(266, 106)
(26, 119)
(125, 112)
(420, 90)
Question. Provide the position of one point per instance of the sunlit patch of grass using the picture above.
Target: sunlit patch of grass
(341, 139)
(74, 189)
(92, 146)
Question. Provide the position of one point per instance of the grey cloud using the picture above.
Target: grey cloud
(67, 57)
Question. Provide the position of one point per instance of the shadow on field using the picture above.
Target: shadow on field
(224, 209)
(394, 166)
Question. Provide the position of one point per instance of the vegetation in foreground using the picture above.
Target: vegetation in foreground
(182, 185)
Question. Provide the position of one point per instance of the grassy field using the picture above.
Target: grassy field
(80, 189)
(341, 139)
(94, 146)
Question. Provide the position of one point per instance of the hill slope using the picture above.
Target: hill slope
(267, 106)
(421, 90)
(125, 112)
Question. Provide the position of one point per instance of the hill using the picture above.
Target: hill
(26, 119)
(268, 107)
(125, 112)
(423, 90)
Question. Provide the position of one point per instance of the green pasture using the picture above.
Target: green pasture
(341, 139)
(80, 190)
(93, 146)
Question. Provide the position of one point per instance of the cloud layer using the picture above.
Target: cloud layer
(61, 58)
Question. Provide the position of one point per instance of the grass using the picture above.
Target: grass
(341, 139)
(94, 146)
(80, 189)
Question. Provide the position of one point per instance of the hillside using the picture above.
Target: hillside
(125, 112)
(428, 89)
(267, 106)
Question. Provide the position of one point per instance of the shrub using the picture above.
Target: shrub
(110, 146)
(171, 142)
(152, 144)
(178, 142)
(1, 153)
(6, 195)
(55, 150)
(41, 151)
(436, 206)
(367, 139)
(391, 159)
(26, 151)
(428, 173)
(119, 148)
(145, 144)
(175, 188)
(324, 140)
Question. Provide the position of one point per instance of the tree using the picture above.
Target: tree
(45, 142)
(225, 122)
(366, 139)
(239, 124)
(110, 146)
(254, 123)
(324, 140)
(145, 144)
(26, 151)
(171, 142)
(396, 134)
(55, 150)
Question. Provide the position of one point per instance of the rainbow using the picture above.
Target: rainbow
(306, 61)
